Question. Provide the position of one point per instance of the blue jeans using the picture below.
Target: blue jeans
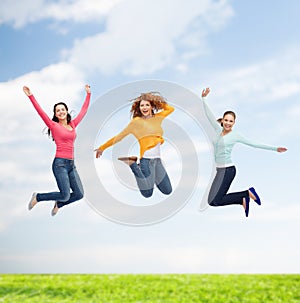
(218, 192)
(150, 172)
(67, 179)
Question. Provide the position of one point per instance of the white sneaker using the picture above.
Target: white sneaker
(32, 201)
(54, 210)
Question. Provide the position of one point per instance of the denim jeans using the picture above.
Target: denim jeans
(67, 179)
(218, 192)
(150, 172)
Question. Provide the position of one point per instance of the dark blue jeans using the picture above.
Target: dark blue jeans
(150, 172)
(218, 192)
(67, 179)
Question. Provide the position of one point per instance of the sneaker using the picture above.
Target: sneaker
(54, 210)
(32, 201)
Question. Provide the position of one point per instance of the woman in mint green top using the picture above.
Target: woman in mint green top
(225, 139)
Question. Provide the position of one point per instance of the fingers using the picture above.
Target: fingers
(281, 149)
(88, 88)
(26, 90)
(205, 91)
(98, 152)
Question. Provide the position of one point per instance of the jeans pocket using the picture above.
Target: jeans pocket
(59, 163)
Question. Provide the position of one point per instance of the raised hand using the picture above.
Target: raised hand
(205, 92)
(27, 91)
(87, 89)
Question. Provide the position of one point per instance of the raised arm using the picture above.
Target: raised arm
(167, 110)
(84, 107)
(210, 116)
(37, 107)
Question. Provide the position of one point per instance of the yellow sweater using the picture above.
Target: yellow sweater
(147, 131)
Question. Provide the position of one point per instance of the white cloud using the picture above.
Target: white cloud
(21, 13)
(61, 82)
(149, 37)
(271, 80)
(140, 37)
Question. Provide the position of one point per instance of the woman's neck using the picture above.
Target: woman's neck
(226, 132)
(147, 117)
(63, 122)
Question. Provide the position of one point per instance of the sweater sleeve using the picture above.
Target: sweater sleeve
(248, 142)
(167, 110)
(126, 131)
(83, 110)
(210, 116)
(40, 111)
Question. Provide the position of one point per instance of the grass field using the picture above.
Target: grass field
(167, 288)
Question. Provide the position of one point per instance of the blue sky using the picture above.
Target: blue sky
(246, 51)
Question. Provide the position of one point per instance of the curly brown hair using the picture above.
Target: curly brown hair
(156, 100)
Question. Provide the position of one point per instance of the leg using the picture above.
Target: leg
(76, 186)
(162, 180)
(218, 193)
(144, 174)
(60, 171)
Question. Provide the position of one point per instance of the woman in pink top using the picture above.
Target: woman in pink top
(62, 129)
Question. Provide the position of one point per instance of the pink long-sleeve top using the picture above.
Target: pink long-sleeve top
(64, 138)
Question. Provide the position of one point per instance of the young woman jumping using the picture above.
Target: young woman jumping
(148, 111)
(226, 138)
(62, 129)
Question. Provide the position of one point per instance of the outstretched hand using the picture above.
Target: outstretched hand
(27, 91)
(87, 89)
(205, 92)
(98, 152)
(281, 149)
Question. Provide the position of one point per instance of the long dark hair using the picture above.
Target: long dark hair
(55, 119)
(229, 112)
(155, 99)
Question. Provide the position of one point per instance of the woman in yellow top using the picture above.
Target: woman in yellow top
(148, 111)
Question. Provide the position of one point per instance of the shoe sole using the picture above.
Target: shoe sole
(128, 158)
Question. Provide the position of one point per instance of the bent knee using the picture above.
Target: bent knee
(147, 193)
(167, 192)
(213, 203)
(65, 197)
(80, 195)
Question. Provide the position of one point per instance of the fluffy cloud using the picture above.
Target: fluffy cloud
(21, 13)
(143, 37)
(270, 80)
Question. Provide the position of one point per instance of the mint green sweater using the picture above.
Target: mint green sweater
(223, 145)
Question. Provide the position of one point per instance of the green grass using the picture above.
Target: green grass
(167, 288)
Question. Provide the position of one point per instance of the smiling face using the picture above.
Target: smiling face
(228, 122)
(146, 109)
(61, 112)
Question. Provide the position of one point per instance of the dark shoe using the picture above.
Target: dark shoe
(55, 209)
(32, 201)
(257, 199)
(247, 199)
